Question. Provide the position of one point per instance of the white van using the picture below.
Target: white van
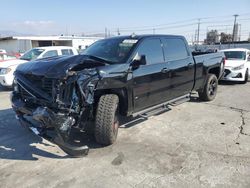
(7, 68)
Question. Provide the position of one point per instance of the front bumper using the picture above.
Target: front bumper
(44, 122)
(234, 75)
(6, 80)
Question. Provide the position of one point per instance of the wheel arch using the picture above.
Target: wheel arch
(122, 95)
(216, 71)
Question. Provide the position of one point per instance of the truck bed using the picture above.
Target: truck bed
(205, 61)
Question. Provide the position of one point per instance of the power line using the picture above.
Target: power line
(159, 25)
(177, 22)
(175, 25)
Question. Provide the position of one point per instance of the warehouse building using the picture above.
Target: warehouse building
(23, 43)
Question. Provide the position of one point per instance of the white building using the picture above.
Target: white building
(24, 43)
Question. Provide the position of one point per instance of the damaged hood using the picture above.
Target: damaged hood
(58, 67)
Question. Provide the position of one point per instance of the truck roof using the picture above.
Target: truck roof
(54, 47)
(235, 49)
(138, 37)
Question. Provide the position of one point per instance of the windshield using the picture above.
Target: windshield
(32, 54)
(111, 50)
(240, 55)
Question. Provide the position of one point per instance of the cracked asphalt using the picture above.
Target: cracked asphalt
(195, 144)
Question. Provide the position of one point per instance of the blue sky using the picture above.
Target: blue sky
(92, 16)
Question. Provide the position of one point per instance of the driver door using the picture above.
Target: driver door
(150, 81)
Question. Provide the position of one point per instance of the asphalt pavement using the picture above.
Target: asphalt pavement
(195, 144)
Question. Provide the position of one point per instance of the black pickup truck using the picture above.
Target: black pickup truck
(114, 77)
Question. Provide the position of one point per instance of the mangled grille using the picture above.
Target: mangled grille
(45, 84)
(29, 84)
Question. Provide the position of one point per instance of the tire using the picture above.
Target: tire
(246, 77)
(107, 121)
(210, 89)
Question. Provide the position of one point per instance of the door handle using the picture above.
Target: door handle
(190, 64)
(164, 70)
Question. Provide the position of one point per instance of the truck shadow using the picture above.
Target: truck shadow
(5, 89)
(18, 143)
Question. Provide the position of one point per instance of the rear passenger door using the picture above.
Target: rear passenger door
(181, 66)
(150, 83)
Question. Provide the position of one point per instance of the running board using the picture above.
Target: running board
(180, 101)
(161, 107)
(156, 111)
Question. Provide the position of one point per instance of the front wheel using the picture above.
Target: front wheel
(107, 121)
(246, 77)
(210, 88)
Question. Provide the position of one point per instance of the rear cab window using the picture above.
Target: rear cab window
(152, 49)
(174, 49)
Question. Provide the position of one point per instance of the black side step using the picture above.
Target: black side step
(180, 101)
(162, 107)
(155, 111)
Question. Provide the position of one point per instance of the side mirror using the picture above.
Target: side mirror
(138, 60)
(248, 59)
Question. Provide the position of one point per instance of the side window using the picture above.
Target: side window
(151, 48)
(67, 52)
(50, 53)
(174, 49)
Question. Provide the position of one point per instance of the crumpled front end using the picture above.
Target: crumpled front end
(52, 107)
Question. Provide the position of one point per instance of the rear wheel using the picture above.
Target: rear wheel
(210, 89)
(107, 119)
(246, 77)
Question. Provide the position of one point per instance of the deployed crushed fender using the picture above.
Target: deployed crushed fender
(57, 103)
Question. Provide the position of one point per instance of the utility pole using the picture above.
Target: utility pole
(195, 36)
(239, 32)
(118, 31)
(106, 32)
(234, 28)
(198, 31)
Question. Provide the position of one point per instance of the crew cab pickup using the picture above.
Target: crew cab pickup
(115, 77)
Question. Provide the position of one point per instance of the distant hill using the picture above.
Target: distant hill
(7, 33)
(98, 35)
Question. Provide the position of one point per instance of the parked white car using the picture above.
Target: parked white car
(237, 65)
(7, 68)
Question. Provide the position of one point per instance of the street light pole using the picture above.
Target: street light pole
(198, 31)
(234, 28)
